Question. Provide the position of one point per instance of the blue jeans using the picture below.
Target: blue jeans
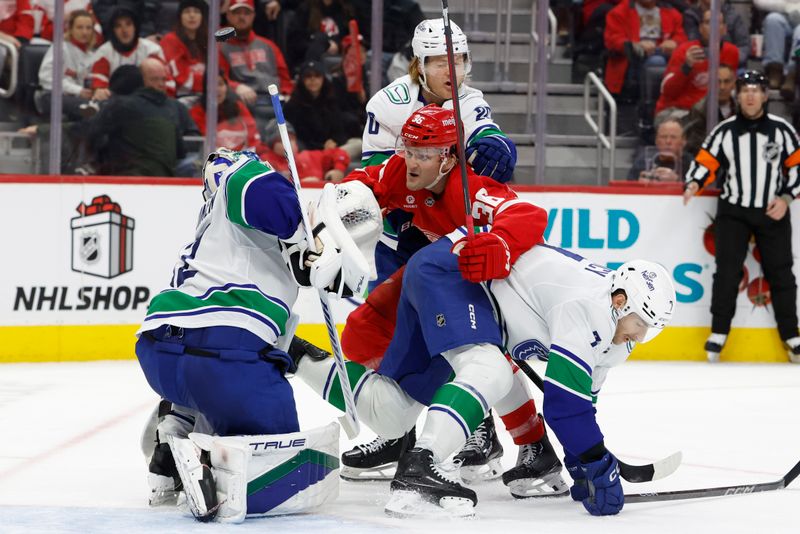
(776, 29)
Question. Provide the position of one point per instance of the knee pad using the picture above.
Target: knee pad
(484, 368)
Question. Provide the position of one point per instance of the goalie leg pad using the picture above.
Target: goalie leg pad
(273, 474)
(196, 477)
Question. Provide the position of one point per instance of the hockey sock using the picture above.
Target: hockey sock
(518, 412)
(457, 408)
(322, 377)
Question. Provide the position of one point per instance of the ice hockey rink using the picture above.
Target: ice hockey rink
(70, 459)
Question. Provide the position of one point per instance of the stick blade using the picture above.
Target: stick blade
(667, 466)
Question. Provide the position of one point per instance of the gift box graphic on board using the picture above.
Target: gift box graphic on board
(102, 239)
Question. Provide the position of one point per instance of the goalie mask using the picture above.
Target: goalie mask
(215, 166)
(650, 294)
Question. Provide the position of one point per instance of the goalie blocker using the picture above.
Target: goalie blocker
(228, 478)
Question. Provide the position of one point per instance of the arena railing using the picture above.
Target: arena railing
(603, 141)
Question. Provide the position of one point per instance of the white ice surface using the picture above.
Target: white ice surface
(70, 459)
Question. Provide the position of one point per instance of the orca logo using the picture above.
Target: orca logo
(531, 348)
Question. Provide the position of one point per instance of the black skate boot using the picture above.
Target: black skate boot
(299, 347)
(479, 459)
(421, 487)
(537, 473)
(376, 460)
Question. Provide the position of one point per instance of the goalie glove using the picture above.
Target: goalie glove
(320, 268)
(485, 257)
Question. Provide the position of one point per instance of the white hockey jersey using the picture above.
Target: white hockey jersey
(556, 305)
(233, 273)
(389, 108)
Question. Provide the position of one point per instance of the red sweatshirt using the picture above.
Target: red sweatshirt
(683, 87)
(187, 69)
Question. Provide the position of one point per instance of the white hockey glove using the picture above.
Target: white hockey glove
(312, 269)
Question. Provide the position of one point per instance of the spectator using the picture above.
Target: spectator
(16, 26)
(316, 115)
(251, 62)
(43, 12)
(186, 48)
(314, 167)
(667, 160)
(146, 11)
(77, 57)
(781, 23)
(735, 31)
(351, 95)
(686, 78)
(270, 20)
(124, 47)
(236, 127)
(754, 202)
(695, 122)
(141, 134)
(638, 34)
(317, 29)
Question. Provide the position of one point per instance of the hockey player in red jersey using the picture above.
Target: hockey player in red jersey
(423, 181)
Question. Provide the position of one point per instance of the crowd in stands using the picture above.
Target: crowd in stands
(653, 56)
(134, 79)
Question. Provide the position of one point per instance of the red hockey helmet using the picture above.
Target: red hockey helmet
(430, 126)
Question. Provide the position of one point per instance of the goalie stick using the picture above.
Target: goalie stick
(721, 491)
(350, 420)
(632, 473)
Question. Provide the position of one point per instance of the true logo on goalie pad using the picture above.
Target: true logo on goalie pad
(288, 444)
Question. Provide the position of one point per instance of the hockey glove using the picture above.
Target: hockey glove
(494, 156)
(580, 489)
(483, 258)
(605, 489)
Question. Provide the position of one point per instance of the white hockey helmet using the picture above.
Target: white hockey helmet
(216, 164)
(650, 294)
(429, 40)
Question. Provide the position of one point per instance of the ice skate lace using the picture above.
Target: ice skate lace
(477, 441)
(373, 446)
(529, 453)
(451, 476)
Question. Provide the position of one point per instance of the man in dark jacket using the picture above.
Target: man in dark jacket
(737, 31)
(141, 134)
(147, 11)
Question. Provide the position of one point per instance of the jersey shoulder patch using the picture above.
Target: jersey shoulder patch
(398, 93)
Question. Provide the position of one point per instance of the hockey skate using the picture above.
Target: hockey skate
(537, 473)
(376, 460)
(794, 349)
(714, 345)
(479, 459)
(299, 347)
(421, 488)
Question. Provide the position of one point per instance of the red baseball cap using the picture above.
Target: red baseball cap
(235, 4)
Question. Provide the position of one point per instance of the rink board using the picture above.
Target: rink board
(60, 302)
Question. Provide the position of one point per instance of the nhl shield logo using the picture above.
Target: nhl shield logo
(90, 247)
(440, 321)
(772, 151)
(429, 201)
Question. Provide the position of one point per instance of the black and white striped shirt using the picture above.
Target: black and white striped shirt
(761, 160)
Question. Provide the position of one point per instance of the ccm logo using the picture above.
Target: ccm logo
(473, 320)
(288, 444)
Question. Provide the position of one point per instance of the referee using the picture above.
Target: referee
(759, 154)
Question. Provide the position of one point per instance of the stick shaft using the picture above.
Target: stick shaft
(350, 420)
(461, 145)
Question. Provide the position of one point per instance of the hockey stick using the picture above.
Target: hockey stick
(632, 473)
(721, 491)
(350, 420)
(462, 159)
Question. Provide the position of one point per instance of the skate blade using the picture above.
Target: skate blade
(552, 485)
(372, 474)
(163, 498)
(713, 357)
(473, 474)
(404, 504)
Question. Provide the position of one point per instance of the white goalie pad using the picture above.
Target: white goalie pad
(353, 217)
(273, 474)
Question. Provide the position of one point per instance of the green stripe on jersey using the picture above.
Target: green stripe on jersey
(176, 301)
(485, 133)
(461, 401)
(354, 373)
(236, 187)
(374, 159)
(562, 371)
